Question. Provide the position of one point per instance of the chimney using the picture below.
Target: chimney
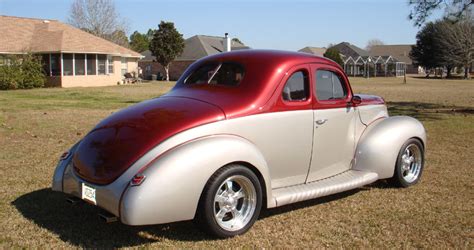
(227, 44)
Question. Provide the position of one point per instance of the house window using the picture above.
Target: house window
(124, 66)
(101, 64)
(110, 60)
(45, 63)
(67, 64)
(80, 64)
(91, 64)
(55, 64)
(296, 87)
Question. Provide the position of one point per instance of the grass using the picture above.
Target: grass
(37, 125)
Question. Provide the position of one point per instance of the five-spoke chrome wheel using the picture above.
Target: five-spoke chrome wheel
(231, 201)
(235, 202)
(409, 164)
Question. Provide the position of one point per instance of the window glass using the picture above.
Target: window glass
(101, 64)
(227, 74)
(111, 64)
(296, 87)
(79, 64)
(124, 66)
(45, 63)
(329, 86)
(91, 67)
(55, 64)
(67, 64)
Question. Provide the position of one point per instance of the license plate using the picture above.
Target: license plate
(88, 193)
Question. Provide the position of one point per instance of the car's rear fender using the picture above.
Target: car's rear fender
(381, 141)
(174, 182)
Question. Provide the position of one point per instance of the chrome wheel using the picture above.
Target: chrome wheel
(235, 203)
(411, 163)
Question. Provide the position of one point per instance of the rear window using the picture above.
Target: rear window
(226, 74)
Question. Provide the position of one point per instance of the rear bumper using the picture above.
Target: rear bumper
(107, 196)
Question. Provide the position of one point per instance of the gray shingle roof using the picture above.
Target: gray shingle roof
(199, 46)
(313, 50)
(400, 52)
(348, 49)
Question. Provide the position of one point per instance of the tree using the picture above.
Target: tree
(334, 54)
(166, 45)
(458, 41)
(99, 18)
(427, 51)
(373, 42)
(139, 42)
(445, 44)
(237, 40)
(454, 9)
(149, 34)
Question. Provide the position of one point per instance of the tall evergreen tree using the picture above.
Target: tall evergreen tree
(334, 54)
(166, 45)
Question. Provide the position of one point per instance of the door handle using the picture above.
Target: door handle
(321, 121)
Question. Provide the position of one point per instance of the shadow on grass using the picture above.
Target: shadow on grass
(80, 225)
(426, 111)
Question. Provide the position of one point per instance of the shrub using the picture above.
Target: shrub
(22, 72)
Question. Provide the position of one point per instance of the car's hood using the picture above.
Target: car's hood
(122, 138)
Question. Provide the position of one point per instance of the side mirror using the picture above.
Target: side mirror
(356, 100)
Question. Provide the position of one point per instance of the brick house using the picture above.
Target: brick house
(71, 57)
(195, 47)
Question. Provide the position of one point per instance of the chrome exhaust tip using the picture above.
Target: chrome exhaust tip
(107, 217)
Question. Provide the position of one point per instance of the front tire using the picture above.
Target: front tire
(231, 202)
(409, 164)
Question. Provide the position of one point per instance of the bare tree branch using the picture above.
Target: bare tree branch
(99, 17)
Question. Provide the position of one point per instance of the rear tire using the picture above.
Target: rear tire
(231, 202)
(409, 165)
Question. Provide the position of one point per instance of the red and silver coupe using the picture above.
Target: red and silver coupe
(240, 131)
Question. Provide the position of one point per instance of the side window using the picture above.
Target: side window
(329, 86)
(297, 87)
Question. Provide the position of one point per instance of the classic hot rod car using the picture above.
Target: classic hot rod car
(240, 131)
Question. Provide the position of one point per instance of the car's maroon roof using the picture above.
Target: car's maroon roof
(264, 70)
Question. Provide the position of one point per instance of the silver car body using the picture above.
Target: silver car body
(291, 165)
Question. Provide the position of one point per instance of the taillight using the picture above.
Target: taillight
(64, 156)
(137, 180)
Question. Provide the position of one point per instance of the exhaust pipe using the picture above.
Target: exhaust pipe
(107, 217)
(73, 200)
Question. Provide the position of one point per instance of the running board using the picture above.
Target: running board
(339, 183)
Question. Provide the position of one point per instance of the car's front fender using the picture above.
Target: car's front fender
(378, 148)
(174, 182)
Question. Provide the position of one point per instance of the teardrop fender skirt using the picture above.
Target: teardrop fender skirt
(381, 141)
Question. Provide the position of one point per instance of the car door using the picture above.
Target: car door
(287, 136)
(334, 123)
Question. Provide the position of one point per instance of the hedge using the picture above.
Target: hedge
(22, 72)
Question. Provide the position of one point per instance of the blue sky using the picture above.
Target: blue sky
(263, 24)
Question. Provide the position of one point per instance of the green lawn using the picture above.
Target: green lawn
(36, 126)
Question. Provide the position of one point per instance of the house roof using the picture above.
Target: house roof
(313, 50)
(400, 52)
(21, 35)
(351, 50)
(199, 46)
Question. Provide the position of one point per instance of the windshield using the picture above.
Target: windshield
(226, 74)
